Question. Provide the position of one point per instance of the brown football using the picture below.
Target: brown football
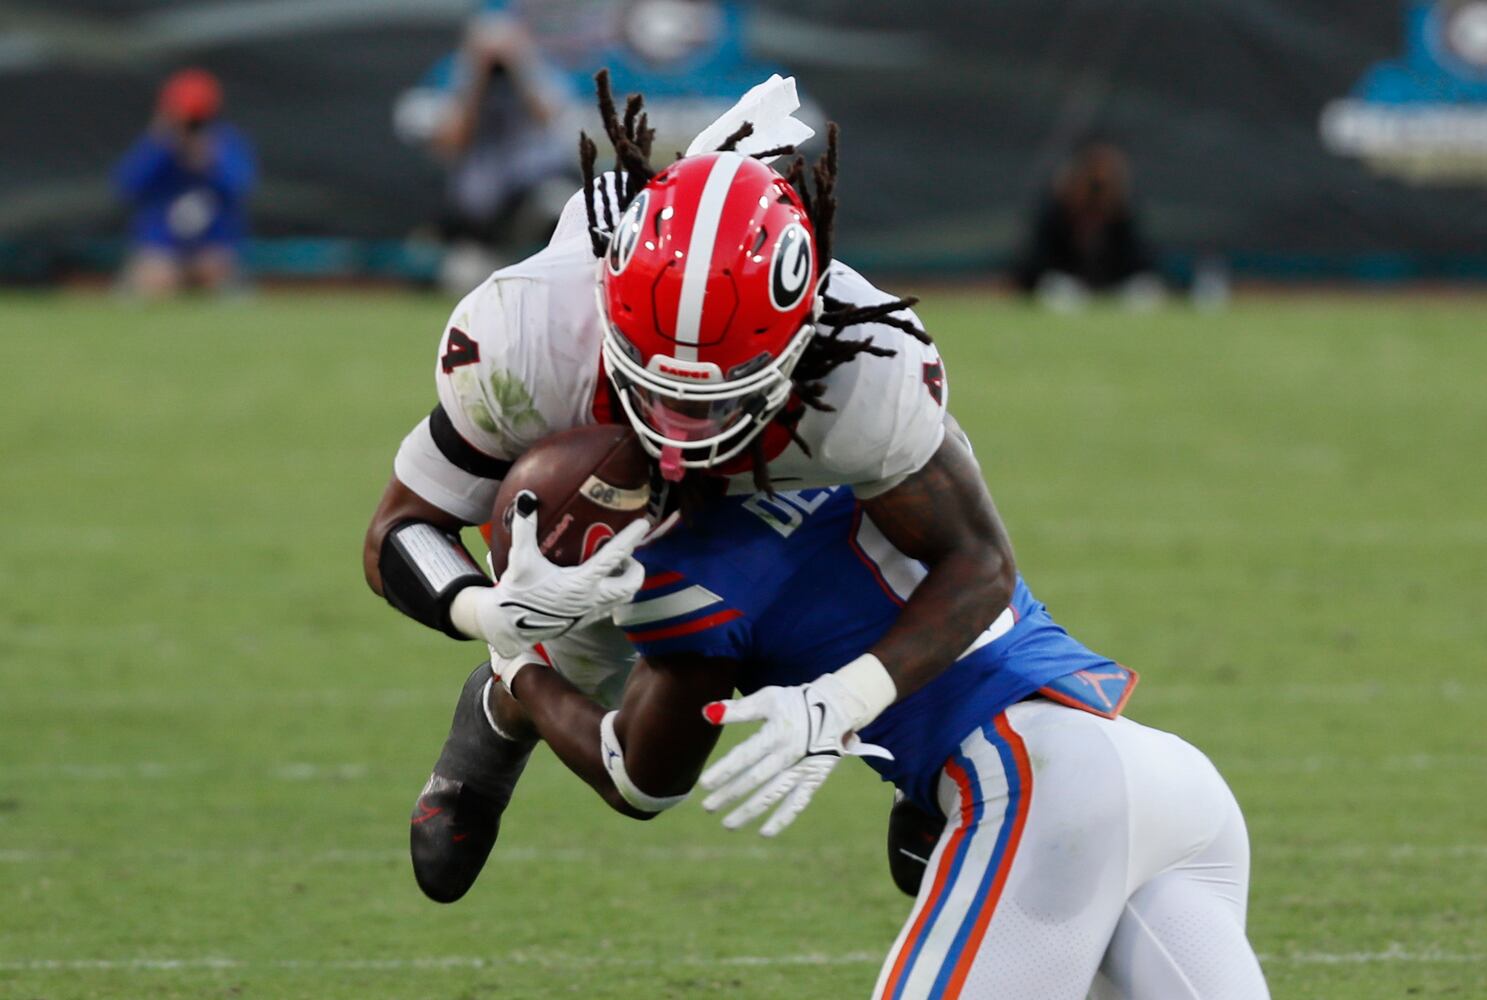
(590, 482)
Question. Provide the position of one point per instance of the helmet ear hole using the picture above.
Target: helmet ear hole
(662, 216)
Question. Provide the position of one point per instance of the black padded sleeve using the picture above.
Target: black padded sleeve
(423, 567)
(461, 454)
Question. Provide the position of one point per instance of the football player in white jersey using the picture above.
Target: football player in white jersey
(719, 337)
(742, 355)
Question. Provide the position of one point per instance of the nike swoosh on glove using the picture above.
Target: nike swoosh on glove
(807, 730)
(536, 599)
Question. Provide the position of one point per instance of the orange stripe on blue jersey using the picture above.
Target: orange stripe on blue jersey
(659, 580)
(685, 628)
(670, 607)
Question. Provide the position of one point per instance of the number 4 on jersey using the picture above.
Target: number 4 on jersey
(934, 380)
(461, 350)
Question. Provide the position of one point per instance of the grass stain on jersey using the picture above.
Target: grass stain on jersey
(514, 403)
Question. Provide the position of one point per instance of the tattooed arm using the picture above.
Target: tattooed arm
(944, 517)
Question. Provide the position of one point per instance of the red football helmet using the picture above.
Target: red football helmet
(709, 295)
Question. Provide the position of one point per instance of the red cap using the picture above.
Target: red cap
(191, 95)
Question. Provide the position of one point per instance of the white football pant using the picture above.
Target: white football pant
(1083, 857)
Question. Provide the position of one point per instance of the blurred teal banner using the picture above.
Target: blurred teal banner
(1309, 137)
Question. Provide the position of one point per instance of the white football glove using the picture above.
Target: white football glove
(536, 600)
(806, 731)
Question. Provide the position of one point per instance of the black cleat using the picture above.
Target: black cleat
(458, 813)
(912, 836)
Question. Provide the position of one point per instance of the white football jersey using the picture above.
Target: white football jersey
(520, 359)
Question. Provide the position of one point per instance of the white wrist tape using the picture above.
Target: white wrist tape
(507, 667)
(614, 763)
(869, 682)
(476, 612)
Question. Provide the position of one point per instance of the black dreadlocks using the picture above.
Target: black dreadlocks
(828, 350)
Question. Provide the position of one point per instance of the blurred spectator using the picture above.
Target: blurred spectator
(1085, 239)
(493, 113)
(187, 179)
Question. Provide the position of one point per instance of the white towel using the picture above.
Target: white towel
(770, 108)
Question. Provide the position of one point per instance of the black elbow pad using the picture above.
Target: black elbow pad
(422, 568)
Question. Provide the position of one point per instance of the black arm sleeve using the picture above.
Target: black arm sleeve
(423, 567)
(461, 454)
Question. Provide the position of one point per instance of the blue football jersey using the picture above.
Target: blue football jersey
(796, 585)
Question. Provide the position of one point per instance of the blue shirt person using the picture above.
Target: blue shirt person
(187, 181)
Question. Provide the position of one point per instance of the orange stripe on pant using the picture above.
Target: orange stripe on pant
(942, 873)
(988, 905)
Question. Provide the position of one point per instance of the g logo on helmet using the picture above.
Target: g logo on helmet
(790, 269)
(627, 234)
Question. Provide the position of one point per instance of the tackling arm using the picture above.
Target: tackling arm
(943, 516)
(398, 505)
(661, 733)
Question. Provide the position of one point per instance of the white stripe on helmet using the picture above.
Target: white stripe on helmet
(700, 254)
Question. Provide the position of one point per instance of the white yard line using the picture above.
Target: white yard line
(617, 854)
(1395, 953)
(1165, 689)
(447, 962)
(1369, 852)
(620, 853)
(158, 770)
(344, 771)
(1175, 692)
(165, 700)
(1331, 763)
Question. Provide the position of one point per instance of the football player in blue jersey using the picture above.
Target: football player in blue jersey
(1070, 830)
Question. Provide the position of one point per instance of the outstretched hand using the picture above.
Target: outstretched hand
(807, 729)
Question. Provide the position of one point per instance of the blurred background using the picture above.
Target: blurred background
(1281, 141)
(1210, 283)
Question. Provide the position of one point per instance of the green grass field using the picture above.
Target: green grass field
(211, 734)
